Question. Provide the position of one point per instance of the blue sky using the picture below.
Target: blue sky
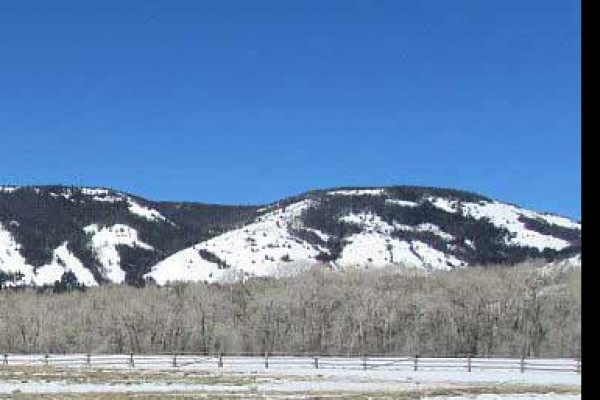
(247, 102)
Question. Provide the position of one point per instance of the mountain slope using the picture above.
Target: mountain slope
(115, 235)
(95, 235)
(419, 227)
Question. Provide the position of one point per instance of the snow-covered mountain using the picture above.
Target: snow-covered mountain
(96, 235)
(375, 227)
(99, 235)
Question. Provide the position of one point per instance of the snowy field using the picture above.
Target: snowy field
(193, 376)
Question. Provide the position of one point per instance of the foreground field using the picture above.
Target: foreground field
(254, 381)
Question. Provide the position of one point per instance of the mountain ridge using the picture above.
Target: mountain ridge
(123, 238)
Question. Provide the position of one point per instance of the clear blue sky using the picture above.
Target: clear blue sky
(250, 101)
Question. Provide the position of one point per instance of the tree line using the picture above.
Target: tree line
(492, 311)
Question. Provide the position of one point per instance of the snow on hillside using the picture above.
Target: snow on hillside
(145, 212)
(357, 192)
(12, 262)
(284, 238)
(507, 216)
(100, 195)
(375, 247)
(8, 189)
(402, 203)
(378, 250)
(134, 207)
(267, 246)
(371, 222)
(104, 241)
(63, 261)
(259, 249)
(103, 195)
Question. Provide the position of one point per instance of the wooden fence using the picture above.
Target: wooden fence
(281, 361)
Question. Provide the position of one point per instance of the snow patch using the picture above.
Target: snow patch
(94, 192)
(12, 262)
(265, 247)
(145, 212)
(373, 223)
(377, 249)
(63, 261)
(447, 205)
(104, 241)
(358, 192)
(507, 216)
(8, 189)
(402, 203)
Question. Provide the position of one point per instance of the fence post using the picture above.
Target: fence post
(174, 360)
(266, 360)
(131, 363)
(364, 361)
(220, 360)
(522, 364)
(88, 359)
(416, 362)
(469, 362)
(5, 359)
(578, 367)
(317, 362)
(46, 359)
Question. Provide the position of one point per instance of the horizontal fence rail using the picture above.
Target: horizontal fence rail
(285, 362)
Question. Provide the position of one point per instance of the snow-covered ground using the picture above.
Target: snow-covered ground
(268, 245)
(262, 248)
(11, 261)
(104, 242)
(271, 244)
(507, 216)
(435, 377)
(357, 192)
(374, 246)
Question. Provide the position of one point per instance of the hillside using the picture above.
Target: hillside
(95, 235)
(101, 235)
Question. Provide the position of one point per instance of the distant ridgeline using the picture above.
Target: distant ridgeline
(75, 236)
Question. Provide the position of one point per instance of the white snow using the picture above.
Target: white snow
(322, 235)
(94, 192)
(293, 375)
(62, 261)
(402, 203)
(8, 189)
(257, 249)
(507, 216)
(103, 195)
(426, 227)
(378, 249)
(447, 205)
(556, 220)
(104, 241)
(371, 222)
(358, 192)
(11, 261)
(144, 212)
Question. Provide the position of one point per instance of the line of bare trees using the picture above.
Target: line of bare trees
(500, 311)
